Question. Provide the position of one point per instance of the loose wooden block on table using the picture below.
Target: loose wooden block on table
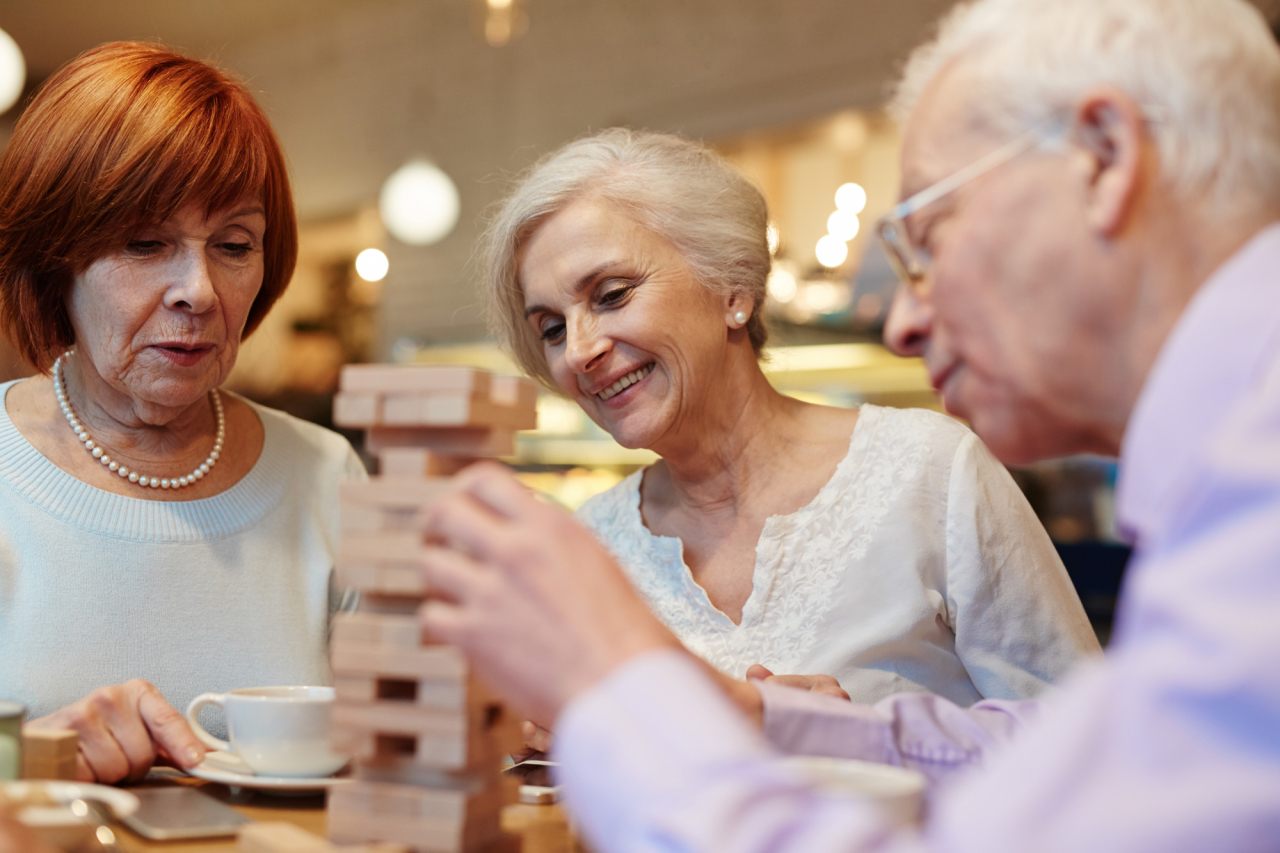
(49, 753)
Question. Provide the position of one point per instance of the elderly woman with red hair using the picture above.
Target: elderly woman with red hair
(158, 536)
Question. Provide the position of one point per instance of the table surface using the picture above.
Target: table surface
(545, 829)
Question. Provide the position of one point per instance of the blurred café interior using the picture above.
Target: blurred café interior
(404, 120)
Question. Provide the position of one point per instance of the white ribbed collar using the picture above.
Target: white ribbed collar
(37, 480)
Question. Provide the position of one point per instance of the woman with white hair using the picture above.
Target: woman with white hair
(885, 548)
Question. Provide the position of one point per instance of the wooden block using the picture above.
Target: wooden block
(366, 518)
(278, 836)
(393, 493)
(398, 378)
(514, 391)
(441, 694)
(419, 462)
(63, 769)
(399, 580)
(49, 743)
(401, 546)
(361, 627)
(410, 410)
(373, 601)
(400, 718)
(456, 804)
(389, 661)
(470, 747)
(458, 442)
(351, 409)
(402, 770)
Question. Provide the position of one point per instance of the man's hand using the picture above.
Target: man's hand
(824, 684)
(535, 602)
(123, 730)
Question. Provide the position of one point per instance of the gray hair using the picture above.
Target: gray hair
(680, 190)
(1209, 68)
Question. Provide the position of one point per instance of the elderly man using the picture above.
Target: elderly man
(1091, 262)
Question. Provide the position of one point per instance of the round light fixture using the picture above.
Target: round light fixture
(13, 71)
(419, 204)
(843, 225)
(851, 198)
(781, 285)
(372, 265)
(831, 251)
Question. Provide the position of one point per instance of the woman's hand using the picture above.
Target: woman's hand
(537, 741)
(535, 602)
(123, 730)
(823, 684)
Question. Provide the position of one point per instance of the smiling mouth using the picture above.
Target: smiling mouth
(626, 382)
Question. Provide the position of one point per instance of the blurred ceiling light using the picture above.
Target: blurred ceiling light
(771, 235)
(419, 204)
(843, 225)
(781, 285)
(851, 198)
(499, 4)
(831, 251)
(372, 265)
(504, 21)
(13, 71)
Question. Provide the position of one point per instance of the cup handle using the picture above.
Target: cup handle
(193, 718)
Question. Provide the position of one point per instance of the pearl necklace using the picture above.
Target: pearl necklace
(100, 453)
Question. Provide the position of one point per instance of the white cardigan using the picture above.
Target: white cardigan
(918, 567)
(212, 594)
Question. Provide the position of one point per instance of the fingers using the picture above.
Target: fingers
(463, 523)
(535, 736)
(168, 729)
(757, 672)
(823, 684)
(448, 572)
(495, 487)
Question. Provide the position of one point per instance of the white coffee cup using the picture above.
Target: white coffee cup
(278, 731)
(895, 792)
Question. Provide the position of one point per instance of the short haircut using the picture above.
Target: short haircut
(682, 191)
(1209, 68)
(125, 136)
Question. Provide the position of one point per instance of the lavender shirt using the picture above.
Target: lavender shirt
(1170, 744)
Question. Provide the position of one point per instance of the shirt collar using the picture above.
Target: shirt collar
(1219, 348)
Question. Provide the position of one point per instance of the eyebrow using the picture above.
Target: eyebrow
(583, 283)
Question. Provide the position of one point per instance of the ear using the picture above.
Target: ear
(737, 309)
(1110, 136)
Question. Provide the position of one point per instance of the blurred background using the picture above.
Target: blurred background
(404, 121)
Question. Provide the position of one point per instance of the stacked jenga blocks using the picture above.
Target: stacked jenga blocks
(426, 740)
(49, 753)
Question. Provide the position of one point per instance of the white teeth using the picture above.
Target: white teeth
(630, 379)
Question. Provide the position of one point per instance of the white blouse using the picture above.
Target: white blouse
(919, 566)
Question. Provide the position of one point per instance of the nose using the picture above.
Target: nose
(585, 347)
(909, 325)
(191, 286)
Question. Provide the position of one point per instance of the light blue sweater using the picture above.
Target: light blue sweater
(212, 594)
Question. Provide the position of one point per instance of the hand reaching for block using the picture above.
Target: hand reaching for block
(539, 607)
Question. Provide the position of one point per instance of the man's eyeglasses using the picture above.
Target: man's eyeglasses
(912, 262)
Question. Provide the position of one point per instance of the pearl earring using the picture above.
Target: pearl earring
(740, 317)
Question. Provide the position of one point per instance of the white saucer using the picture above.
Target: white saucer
(231, 770)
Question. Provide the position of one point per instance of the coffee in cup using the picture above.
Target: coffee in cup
(277, 731)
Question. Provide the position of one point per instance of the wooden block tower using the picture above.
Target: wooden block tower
(426, 740)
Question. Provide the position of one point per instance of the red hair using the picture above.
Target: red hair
(122, 137)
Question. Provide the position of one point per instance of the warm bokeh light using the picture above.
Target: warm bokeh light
(13, 71)
(781, 285)
(851, 198)
(772, 236)
(843, 225)
(419, 204)
(499, 4)
(831, 251)
(372, 265)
